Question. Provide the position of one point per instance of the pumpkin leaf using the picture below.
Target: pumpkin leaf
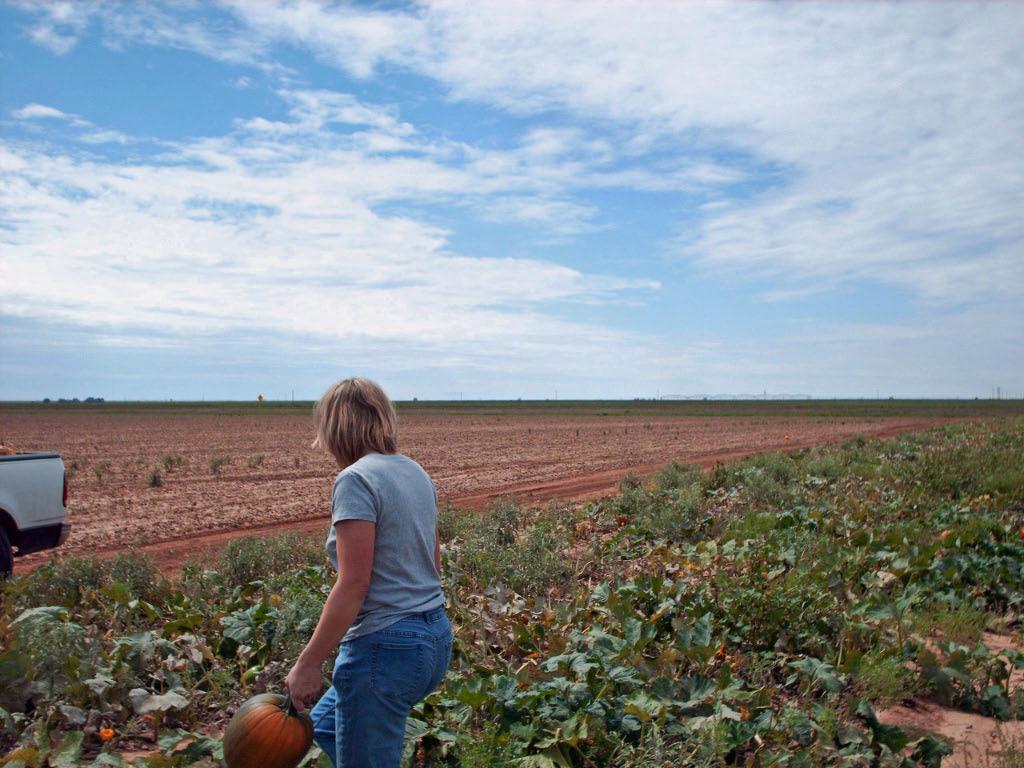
(108, 760)
(414, 730)
(67, 753)
(644, 706)
(171, 738)
(41, 617)
(144, 702)
(929, 751)
(73, 716)
(202, 747)
(550, 758)
(100, 683)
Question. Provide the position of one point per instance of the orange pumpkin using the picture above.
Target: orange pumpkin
(267, 732)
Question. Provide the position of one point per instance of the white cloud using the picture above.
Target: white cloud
(105, 137)
(908, 113)
(824, 144)
(311, 111)
(87, 133)
(40, 112)
(59, 24)
(562, 216)
(355, 39)
(274, 230)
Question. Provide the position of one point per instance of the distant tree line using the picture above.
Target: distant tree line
(75, 400)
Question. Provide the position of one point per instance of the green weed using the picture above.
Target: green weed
(677, 475)
(963, 624)
(217, 462)
(885, 678)
(171, 461)
(253, 558)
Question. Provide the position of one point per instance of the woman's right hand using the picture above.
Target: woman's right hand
(303, 683)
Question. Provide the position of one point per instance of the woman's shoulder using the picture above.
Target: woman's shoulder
(378, 472)
(380, 463)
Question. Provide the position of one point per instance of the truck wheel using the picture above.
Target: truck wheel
(6, 556)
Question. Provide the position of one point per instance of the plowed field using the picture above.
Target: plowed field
(269, 477)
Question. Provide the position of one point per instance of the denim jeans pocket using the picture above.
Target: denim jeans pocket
(400, 667)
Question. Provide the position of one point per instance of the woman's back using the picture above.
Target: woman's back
(397, 495)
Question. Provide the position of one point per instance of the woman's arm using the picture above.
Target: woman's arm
(355, 540)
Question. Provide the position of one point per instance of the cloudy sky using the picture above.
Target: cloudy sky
(511, 199)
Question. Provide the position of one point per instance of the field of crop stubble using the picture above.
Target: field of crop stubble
(172, 478)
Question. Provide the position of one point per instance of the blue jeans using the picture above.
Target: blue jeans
(378, 678)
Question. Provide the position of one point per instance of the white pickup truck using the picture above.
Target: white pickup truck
(33, 505)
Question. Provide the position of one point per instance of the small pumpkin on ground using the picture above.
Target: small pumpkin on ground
(267, 732)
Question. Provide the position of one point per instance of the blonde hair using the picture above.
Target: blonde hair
(353, 418)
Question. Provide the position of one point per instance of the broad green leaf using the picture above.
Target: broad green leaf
(201, 747)
(118, 592)
(42, 737)
(147, 608)
(41, 616)
(414, 730)
(184, 623)
(66, 754)
(171, 738)
(550, 758)
(99, 684)
(929, 751)
(535, 761)
(74, 716)
(888, 735)
(143, 701)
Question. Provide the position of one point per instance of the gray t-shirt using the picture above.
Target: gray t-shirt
(394, 492)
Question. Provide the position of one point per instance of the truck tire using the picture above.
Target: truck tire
(6, 556)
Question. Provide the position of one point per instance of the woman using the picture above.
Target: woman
(386, 607)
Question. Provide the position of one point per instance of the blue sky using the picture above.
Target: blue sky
(511, 199)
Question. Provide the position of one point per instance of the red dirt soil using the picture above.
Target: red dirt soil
(977, 741)
(273, 481)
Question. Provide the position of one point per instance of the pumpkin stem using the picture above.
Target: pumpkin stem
(289, 707)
